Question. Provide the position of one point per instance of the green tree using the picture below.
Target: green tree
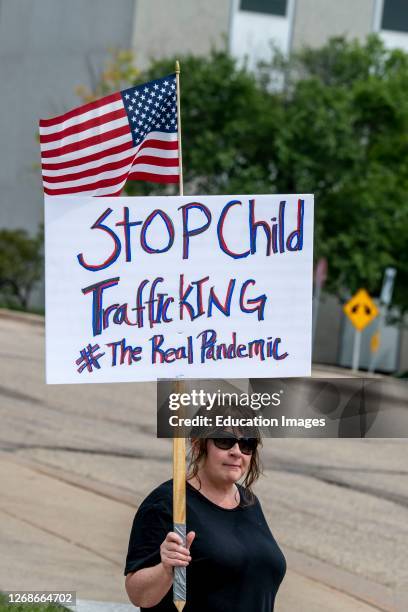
(21, 265)
(345, 139)
(331, 121)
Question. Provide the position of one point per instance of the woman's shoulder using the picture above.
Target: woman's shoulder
(161, 496)
(248, 498)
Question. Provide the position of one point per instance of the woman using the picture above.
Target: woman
(233, 562)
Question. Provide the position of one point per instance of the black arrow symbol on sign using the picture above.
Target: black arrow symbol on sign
(366, 308)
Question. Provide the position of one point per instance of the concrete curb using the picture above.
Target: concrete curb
(394, 389)
(359, 587)
(87, 605)
(22, 317)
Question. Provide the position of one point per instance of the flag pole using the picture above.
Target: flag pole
(180, 155)
(179, 444)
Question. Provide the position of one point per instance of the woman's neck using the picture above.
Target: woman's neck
(224, 494)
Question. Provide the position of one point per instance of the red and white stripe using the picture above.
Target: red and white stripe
(89, 150)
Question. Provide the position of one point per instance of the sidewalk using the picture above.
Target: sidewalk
(63, 536)
(76, 461)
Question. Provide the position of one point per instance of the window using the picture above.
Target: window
(270, 7)
(395, 15)
(255, 24)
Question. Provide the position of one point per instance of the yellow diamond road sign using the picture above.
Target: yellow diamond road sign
(360, 309)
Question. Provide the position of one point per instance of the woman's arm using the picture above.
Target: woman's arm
(148, 586)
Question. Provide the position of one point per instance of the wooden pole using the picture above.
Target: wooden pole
(179, 511)
(179, 444)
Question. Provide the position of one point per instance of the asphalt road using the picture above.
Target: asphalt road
(339, 508)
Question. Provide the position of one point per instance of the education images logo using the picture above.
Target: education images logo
(202, 410)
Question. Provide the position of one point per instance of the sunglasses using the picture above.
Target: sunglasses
(247, 446)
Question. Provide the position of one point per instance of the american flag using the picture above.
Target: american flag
(96, 148)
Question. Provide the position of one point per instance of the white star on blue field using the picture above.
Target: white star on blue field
(151, 107)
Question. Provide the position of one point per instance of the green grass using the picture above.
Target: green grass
(27, 607)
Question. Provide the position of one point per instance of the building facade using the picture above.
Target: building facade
(249, 27)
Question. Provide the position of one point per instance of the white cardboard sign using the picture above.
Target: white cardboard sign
(162, 287)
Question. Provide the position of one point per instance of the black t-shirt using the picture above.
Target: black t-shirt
(236, 564)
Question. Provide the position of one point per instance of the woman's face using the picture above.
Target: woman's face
(226, 466)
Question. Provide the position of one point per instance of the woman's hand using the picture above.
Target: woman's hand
(147, 587)
(173, 553)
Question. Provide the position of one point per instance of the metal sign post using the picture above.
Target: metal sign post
(356, 350)
(320, 278)
(385, 301)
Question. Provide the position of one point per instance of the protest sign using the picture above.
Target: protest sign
(183, 286)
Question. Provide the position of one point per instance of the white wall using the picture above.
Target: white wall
(252, 34)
